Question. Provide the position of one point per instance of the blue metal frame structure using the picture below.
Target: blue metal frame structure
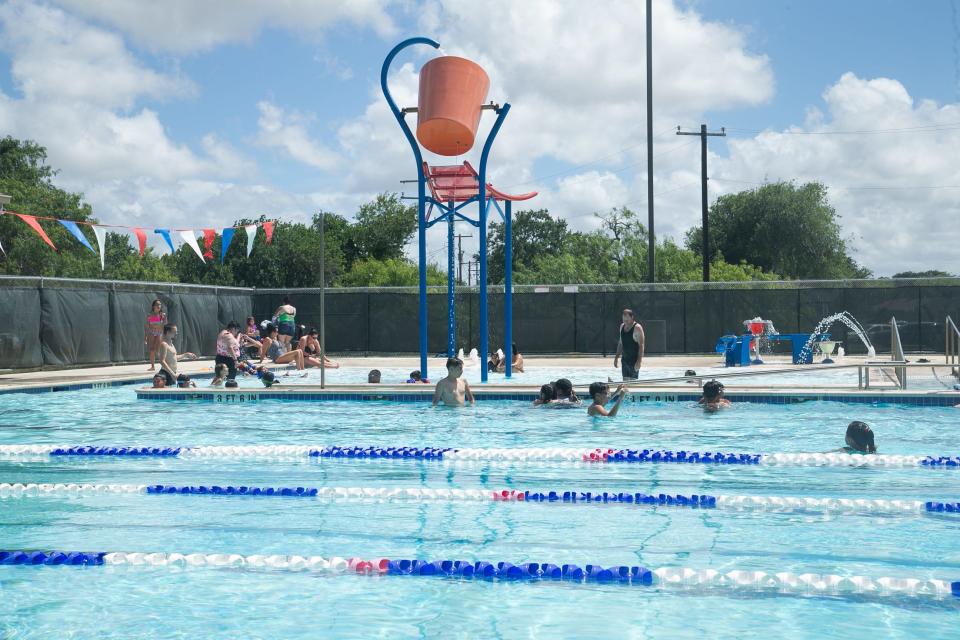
(450, 213)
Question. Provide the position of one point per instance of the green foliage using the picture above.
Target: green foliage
(932, 273)
(535, 234)
(783, 228)
(392, 272)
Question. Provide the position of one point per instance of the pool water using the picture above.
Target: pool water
(538, 375)
(82, 602)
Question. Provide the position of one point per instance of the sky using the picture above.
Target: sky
(197, 114)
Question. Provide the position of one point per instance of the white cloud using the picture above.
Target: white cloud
(288, 131)
(79, 87)
(184, 26)
(888, 186)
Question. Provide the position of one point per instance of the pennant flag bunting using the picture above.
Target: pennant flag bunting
(166, 236)
(208, 237)
(268, 229)
(190, 238)
(76, 233)
(101, 233)
(225, 239)
(32, 222)
(251, 230)
(141, 240)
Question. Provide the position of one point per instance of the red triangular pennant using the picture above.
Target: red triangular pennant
(268, 229)
(30, 220)
(208, 236)
(141, 240)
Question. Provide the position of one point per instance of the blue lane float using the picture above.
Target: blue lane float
(544, 454)
(782, 582)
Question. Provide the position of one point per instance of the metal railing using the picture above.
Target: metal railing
(896, 353)
(951, 350)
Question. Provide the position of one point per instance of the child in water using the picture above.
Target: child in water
(859, 438)
(219, 375)
(566, 397)
(713, 396)
(547, 395)
(600, 392)
(453, 390)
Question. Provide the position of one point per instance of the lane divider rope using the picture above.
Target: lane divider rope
(781, 582)
(598, 455)
(421, 494)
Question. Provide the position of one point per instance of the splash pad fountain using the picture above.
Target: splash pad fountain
(844, 318)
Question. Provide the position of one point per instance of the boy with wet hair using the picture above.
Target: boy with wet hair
(713, 396)
(859, 438)
(600, 392)
(453, 390)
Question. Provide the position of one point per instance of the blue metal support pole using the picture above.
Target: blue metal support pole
(484, 321)
(508, 287)
(421, 189)
(451, 303)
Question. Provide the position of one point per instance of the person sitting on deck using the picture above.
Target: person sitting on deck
(548, 394)
(600, 392)
(712, 398)
(859, 438)
(274, 349)
(453, 390)
(516, 361)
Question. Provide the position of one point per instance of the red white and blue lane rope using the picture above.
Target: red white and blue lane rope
(556, 454)
(665, 577)
(560, 496)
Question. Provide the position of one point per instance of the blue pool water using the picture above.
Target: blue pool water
(82, 602)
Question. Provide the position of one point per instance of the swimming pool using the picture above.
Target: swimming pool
(125, 601)
(919, 378)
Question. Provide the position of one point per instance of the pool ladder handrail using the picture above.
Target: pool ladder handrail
(896, 353)
(951, 350)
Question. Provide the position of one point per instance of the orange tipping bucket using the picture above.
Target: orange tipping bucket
(452, 91)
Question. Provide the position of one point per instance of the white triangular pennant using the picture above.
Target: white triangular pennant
(101, 234)
(251, 234)
(190, 238)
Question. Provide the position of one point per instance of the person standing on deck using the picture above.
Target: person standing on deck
(286, 315)
(630, 346)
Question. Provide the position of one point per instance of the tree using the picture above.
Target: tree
(932, 273)
(392, 272)
(383, 228)
(535, 234)
(783, 228)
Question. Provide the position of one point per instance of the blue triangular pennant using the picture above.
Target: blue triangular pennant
(225, 239)
(76, 233)
(166, 236)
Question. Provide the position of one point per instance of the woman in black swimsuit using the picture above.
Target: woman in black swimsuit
(311, 351)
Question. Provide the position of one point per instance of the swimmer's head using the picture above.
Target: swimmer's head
(454, 364)
(689, 372)
(599, 391)
(860, 437)
(713, 390)
(415, 375)
(159, 381)
(374, 376)
(548, 393)
(231, 384)
(220, 371)
(268, 378)
(183, 381)
(564, 388)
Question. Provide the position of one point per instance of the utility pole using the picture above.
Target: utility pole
(460, 237)
(651, 239)
(705, 236)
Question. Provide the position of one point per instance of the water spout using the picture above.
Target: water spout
(850, 322)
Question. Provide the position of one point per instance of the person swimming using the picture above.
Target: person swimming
(548, 394)
(712, 398)
(600, 392)
(859, 438)
(566, 397)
